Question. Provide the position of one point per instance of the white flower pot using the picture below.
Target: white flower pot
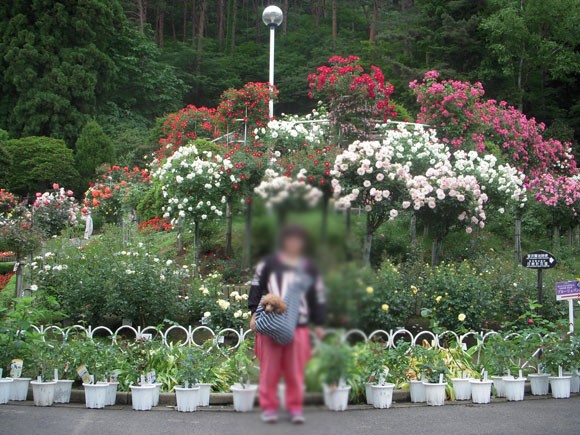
(244, 398)
(435, 393)
(417, 390)
(514, 388)
(382, 395)
(560, 386)
(95, 395)
(19, 389)
(143, 396)
(204, 394)
(480, 391)
(540, 383)
(5, 389)
(498, 385)
(62, 391)
(336, 398)
(43, 393)
(111, 393)
(574, 382)
(187, 399)
(462, 388)
(369, 392)
(156, 394)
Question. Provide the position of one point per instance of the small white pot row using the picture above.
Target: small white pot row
(101, 394)
(43, 393)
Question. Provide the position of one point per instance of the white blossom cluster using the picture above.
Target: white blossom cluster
(408, 168)
(192, 184)
(280, 190)
(293, 130)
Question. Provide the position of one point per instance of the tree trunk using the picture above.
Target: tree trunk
(334, 22)
(374, 19)
(19, 279)
(200, 34)
(518, 238)
(247, 257)
(196, 248)
(368, 242)
(324, 220)
(285, 22)
(556, 237)
(184, 24)
(228, 248)
(570, 236)
(180, 237)
(413, 229)
(436, 248)
(142, 12)
(221, 22)
(193, 21)
(233, 27)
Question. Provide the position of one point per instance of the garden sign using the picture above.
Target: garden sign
(539, 260)
(568, 291)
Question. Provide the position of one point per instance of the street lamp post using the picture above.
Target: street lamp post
(272, 17)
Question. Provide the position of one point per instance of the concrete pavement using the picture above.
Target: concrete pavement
(530, 417)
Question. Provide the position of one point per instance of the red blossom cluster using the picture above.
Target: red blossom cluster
(8, 202)
(344, 77)
(237, 107)
(5, 279)
(114, 185)
(187, 124)
(247, 105)
(155, 225)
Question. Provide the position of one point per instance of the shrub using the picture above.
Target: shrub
(93, 148)
(37, 163)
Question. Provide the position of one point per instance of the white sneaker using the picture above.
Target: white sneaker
(269, 417)
(297, 419)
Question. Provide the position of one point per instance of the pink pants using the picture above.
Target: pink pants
(288, 362)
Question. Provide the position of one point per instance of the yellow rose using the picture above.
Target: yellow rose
(461, 317)
(385, 307)
(438, 299)
(370, 290)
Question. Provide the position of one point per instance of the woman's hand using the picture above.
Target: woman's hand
(319, 332)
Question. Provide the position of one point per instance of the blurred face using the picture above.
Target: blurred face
(293, 246)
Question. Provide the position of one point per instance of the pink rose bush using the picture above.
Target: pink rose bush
(55, 210)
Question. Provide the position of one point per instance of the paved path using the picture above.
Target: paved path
(530, 417)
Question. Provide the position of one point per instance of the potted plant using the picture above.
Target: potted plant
(462, 387)
(145, 393)
(92, 371)
(514, 388)
(335, 365)
(206, 364)
(243, 391)
(187, 394)
(574, 364)
(5, 384)
(498, 355)
(64, 373)
(389, 366)
(43, 388)
(19, 386)
(418, 356)
(435, 384)
(370, 360)
(557, 355)
(481, 389)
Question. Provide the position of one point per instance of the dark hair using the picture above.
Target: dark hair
(293, 231)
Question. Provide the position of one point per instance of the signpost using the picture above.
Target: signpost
(568, 291)
(539, 260)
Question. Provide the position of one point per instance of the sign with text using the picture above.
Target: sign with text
(567, 290)
(539, 260)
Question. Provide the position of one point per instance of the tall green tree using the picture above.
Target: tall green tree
(93, 148)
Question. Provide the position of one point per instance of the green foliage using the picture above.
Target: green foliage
(109, 277)
(336, 359)
(37, 163)
(93, 149)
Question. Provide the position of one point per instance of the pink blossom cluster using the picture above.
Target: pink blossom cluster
(557, 191)
(465, 120)
(57, 203)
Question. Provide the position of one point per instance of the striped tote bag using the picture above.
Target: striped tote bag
(281, 327)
